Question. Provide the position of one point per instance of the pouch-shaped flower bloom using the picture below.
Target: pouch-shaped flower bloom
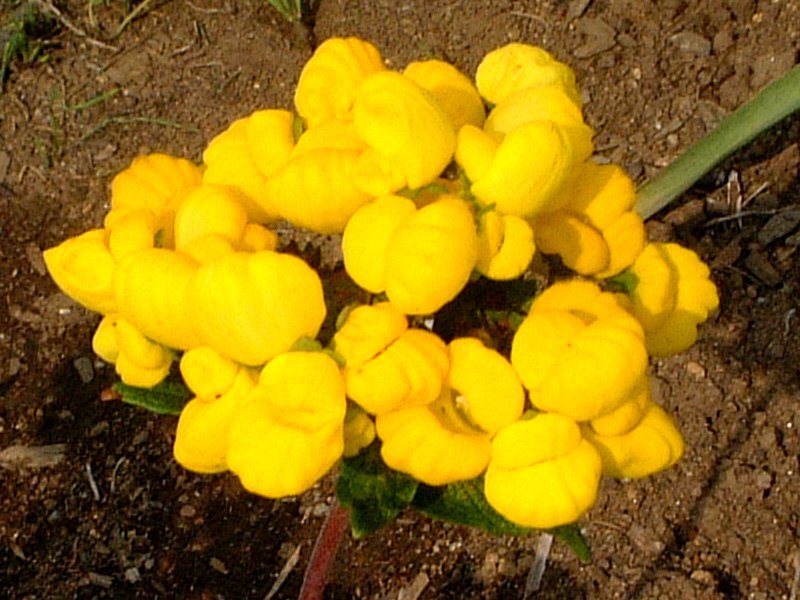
(83, 268)
(408, 372)
(516, 67)
(547, 103)
(367, 331)
(290, 432)
(542, 473)
(251, 307)
(330, 79)
(652, 445)
(596, 232)
(672, 295)
(134, 229)
(359, 430)
(453, 90)
(578, 352)
(431, 255)
(628, 414)
(210, 210)
(157, 182)
(365, 242)
(139, 362)
(151, 288)
(249, 151)
(449, 439)
(521, 174)
(222, 387)
(405, 129)
(316, 189)
(505, 246)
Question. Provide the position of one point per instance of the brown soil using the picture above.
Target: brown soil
(725, 523)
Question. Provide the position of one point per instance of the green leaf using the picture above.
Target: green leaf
(464, 503)
(571, 535)
(167, 398)
(374, 493)
(777, 101)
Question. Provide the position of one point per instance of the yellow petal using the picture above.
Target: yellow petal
(625, 239)
(580, 246)
(151, 289)
(365, 242)
(156, 182)
(516, 67)
(402, 123)
(207, 373)
(269, 136)
(330, 79)
(452, 90)
(475, 151)
(290, 432)
(485, 385)
(131, 230)
(104, 341)
(653, 445)
(431, 256)
(506, 246)
(251, 307)
(359, 431)
(368, 331)
(83, 268)
(210, 209)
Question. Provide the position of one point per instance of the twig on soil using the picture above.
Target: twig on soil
(744, 213)
(534, 580)
(796, 581)
(92, 482)
(414, 590)
(287, 568)
(52, 9)
(140, 8)
(112, 485)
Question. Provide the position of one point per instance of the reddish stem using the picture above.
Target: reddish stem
(321, 561)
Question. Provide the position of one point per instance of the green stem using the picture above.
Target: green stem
(775, 102)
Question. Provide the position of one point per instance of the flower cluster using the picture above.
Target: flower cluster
(429, 189)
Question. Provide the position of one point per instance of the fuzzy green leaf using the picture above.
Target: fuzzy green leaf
(167, 398)
(571, 535)
(463, 503)
(374, 493)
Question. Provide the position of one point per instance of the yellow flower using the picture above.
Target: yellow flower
(410, 371)
(547, 103)
(516, 67)
(243, 156)
(578, 352)
(315, 189)
(628, 414)
(673, 294)
(157, 182)
(505, 246)
(522, 172)
(367, 331)
(652, 445)
(210, 210)
(542, 473)
(359, 431)
(222, 388)
(406, 131)
(152, 292)
(452, 90)
(83, 268)
(449, 439)
(365, 242)
(290, 431)
(253, 306)
(330, 79)
(134, 229)
(139, 362)
(431, 255)
(596, 231)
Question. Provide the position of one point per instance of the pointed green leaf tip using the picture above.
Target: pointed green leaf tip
(374, 493)
(167, 398)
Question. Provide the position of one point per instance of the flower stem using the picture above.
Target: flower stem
(775, 102)
(324, 553)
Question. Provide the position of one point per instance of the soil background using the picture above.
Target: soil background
(115, 517)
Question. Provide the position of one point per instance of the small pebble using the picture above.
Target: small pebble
(84, 367)
(188, 511)
(132, 575)
(703, 576)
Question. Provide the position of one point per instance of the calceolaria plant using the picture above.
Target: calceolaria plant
(472, 385)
